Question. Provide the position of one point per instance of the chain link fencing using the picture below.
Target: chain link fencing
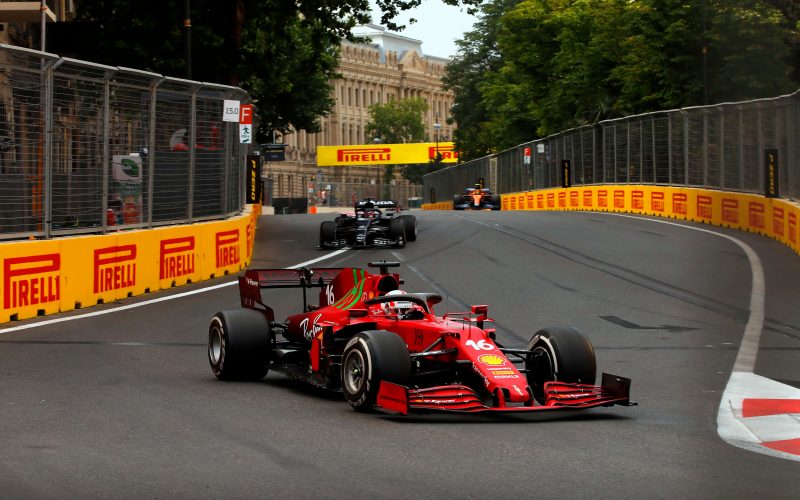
(339, 194)
(723, 146)
(88, 148)
(346, 194)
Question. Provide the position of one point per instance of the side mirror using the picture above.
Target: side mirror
(481, 310)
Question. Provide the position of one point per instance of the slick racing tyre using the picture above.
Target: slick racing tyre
(397, 232)
(239, 345)
(496, 201)
(410, 223)
(370, 358)
(327, 233)
(458, 199)
(559, 353)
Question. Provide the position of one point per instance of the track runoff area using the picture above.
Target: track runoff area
(755, 413)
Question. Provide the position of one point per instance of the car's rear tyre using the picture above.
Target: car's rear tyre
(372, 357)
(239, 345)
(410, 223)
(397, 232)
(327, 233)
(559, 353)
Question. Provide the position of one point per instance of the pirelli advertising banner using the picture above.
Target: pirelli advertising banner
(385, 154)
(777, 218)
(773, 217)
(62, 274)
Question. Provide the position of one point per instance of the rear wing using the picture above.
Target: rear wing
(383, 204)
(254, 280)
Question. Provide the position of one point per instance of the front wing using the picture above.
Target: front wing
(396, 398)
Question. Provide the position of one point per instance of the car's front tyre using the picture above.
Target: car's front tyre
(410, 224)
(559, 353)
(370, 358)
(397, 232)
(327, 233)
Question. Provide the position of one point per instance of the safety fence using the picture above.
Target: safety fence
(87, 148)
(748, 147)
(333, 194)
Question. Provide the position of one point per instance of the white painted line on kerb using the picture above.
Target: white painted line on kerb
(748, 349)
(732, 427)
(154, 301)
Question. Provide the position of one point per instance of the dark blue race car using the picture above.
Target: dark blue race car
(372, 224)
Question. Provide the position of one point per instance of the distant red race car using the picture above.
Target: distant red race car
(386, 349)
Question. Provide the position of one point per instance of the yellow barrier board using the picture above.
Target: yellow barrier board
(385, 154)
(46, 277)
(771, 217)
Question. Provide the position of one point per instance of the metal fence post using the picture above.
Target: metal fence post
(685, 148)
(760, 155)
(151, 149)
(628, 153)
(192, 151)
(705, 147)
(47, 98)
(669, 148)
(740, 149)
(106, 149)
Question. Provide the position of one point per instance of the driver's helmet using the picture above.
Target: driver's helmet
(398, 307)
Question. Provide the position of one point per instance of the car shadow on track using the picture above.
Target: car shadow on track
(299, 387)
(526, 418)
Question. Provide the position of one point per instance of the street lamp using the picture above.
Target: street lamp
(436, 127)
(378, 140)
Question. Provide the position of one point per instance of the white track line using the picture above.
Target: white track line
(750, 434)
(748, 349)
(153, 301)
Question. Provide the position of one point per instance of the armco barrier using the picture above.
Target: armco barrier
(773, 217)
(50, 276)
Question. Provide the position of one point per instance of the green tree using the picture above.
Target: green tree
(565, 63)
(285, 53)
(477, 55)
(398, 122)
(750, 55)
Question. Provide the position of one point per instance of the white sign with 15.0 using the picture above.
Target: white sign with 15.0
(230, 111)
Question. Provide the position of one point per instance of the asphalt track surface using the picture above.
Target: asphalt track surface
(124, 405)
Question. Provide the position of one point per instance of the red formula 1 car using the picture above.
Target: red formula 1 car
(387, 349)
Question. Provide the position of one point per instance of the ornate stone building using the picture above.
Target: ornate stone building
(391, 67)
(20, 21)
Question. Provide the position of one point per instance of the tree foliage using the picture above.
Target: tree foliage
(284, 53)
(535, 67)
(399, 122)
(477, 56)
